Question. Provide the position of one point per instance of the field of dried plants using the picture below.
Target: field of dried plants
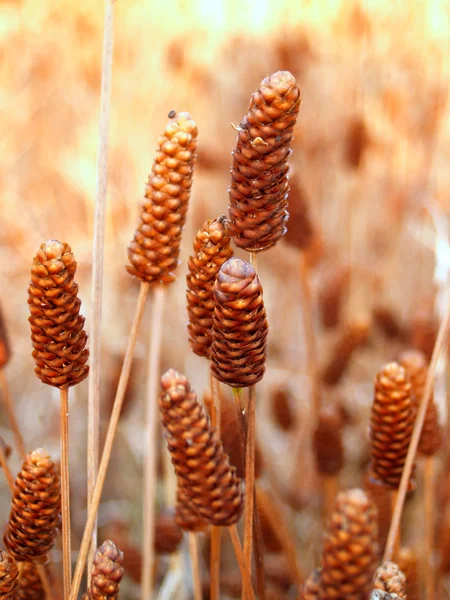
(326, 329)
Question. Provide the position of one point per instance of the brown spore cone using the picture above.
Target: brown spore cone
(168, 534)
(238, 351)
(389, 578)
(391, 424)
(350, 548)
(259, 173)
(9, 577)
(197, 454)
(415, 362)
(327, 442)
(35, 513)
(31, 587)
(155, 248)
(186, 515)
(107, 573)
(212, 249)
(57, 334)
(5, 349)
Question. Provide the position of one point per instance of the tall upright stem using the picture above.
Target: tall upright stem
(418, 425)
(249, 480)
(429, 502)
(150, 443)
(65, 491)
(216, 532)
(97, 267)
(10, 412)
(245, 575)
(107, 448)
(195, 565)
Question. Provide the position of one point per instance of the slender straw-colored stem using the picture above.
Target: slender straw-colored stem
(397, 543)
(9, 408)
(150, 445)
(249, 481)
(6, 470)
(429, 505)
(283, 531)
(97, 268)
(110, 435)
(195, 565)
(65, 491)
(239, 554)
(412, 450)
(216, 532)
(330, 490)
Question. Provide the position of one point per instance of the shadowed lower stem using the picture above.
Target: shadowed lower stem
(65, 491)
(110, 435)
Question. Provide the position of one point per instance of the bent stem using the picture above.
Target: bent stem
(150, 447)
(418, 425)
(110, 435)
(195, 564)
(216, 532)
(239, 554)
(97, 268)
(65, 491)
(9, 409)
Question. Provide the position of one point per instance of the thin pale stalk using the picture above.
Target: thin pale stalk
(65, 491)
(93, 433)
(249, 481)
(330, 490)
(110, 435)
(415, 438)
(429, 506)
(150, 442)
(239, 554)
(195, 565)
(397, 543)
(216, 532)
(283, 531)
(10, 413)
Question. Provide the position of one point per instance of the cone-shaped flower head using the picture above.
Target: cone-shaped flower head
(186, 515)
(389, 578)
(350, 548)
(5, 350)
(211, 249)
(57, 333)
(197, 454)
(107, 573)
(155, 248)
(311, 588)
(9, 577)
(35, 513)
(238, 351)
(259, 173)
(31, 587)
(391, 424)
(415, 363)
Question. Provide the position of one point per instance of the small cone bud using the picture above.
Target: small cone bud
(35, 514)
(259, 173)
(211, 249)
(197, 454)
(107, 573)
(389, 578)
(57, 333)
(327, 443)
(350, 548)
(331, 295)
(155, 248)
(391, 424)
(238, 351)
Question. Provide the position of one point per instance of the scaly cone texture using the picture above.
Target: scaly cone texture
(57, 333)
(155, 248)
(391, 423)
(380, 595)
(186, 515)
(107, 573)
(197, 454)
(211, 249)
(5, 350)
(31, 587)
(415, 363)
(350, 548)
(238, 351)
(35, 513)
(389, 578)
(259, 173)
(311, 588)
(327, 442)
(9, 577)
